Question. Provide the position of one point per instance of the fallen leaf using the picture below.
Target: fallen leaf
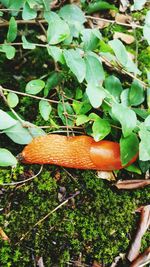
(142, 260)
(132, 184)
(126, 38)
(106, 175)
(101, 24)
(40, 262)
(3, 235)
(120, 18)
(142, 228)
(42, 38)
(96, 264)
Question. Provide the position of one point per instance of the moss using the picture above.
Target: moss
(97, 223)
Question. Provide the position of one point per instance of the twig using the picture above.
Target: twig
(29, 95)
(131, 25)
(105, 60)
(47, 215)
(23, 181)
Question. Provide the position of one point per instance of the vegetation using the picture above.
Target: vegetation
(60, 74)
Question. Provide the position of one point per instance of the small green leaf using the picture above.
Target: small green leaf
(9, 51)
(144, 148)
(62, 108)
(81, 107)
(22, 135)
(6, 158)
(146, 30)
(90, 38)
(76, 63)
(129, 147)
(6, 121)
(94, 70)
(101, 128)
(53, 80)
(12, 30)
(72, 13)
(136, 94)
(45, 109)
(96, 95)
(126, 117)
(12, 99)
(113, 86)
(34, 87)
(26, 44)
(56, 53)
(138, 5)
(81, 119)
(133, 168)
(147, 123)
(125, 97)
(99, 5)
(28, 13)
(58, 29)
(119, 50)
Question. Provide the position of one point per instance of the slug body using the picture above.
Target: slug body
(80, 152)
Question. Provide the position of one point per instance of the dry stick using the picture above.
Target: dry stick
(65, 111)
(105, 60)
(131, 25)
(29, 95)
(47, 215)
(23, 181)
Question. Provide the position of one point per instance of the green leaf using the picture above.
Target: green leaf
(56, 53)
(148, 98)
(6, 158)
(119, 50)
(76, 63)
(99, 5)
(9, 51)
(147, 123)
(12, 30)
(45, 109)
(72, 13)
(53, 80)
(129, 147)
(114, 87)
(94, 70)
(100, 128)
(58, 29)
(144, 147)
(34, 87)
(6, 121)
(28, 13)
(26, 44)
(126, 117)
(21, 135)
(96, 95)
(125, 97)
(138, 5)
(90, 38)
(81, 107)
(133, 168)
(136, 94)
(62, 108)
(12, 99)
(81, 119)
(146, 30)
(131, 67)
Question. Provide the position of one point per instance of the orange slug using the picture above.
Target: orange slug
(80, 152)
